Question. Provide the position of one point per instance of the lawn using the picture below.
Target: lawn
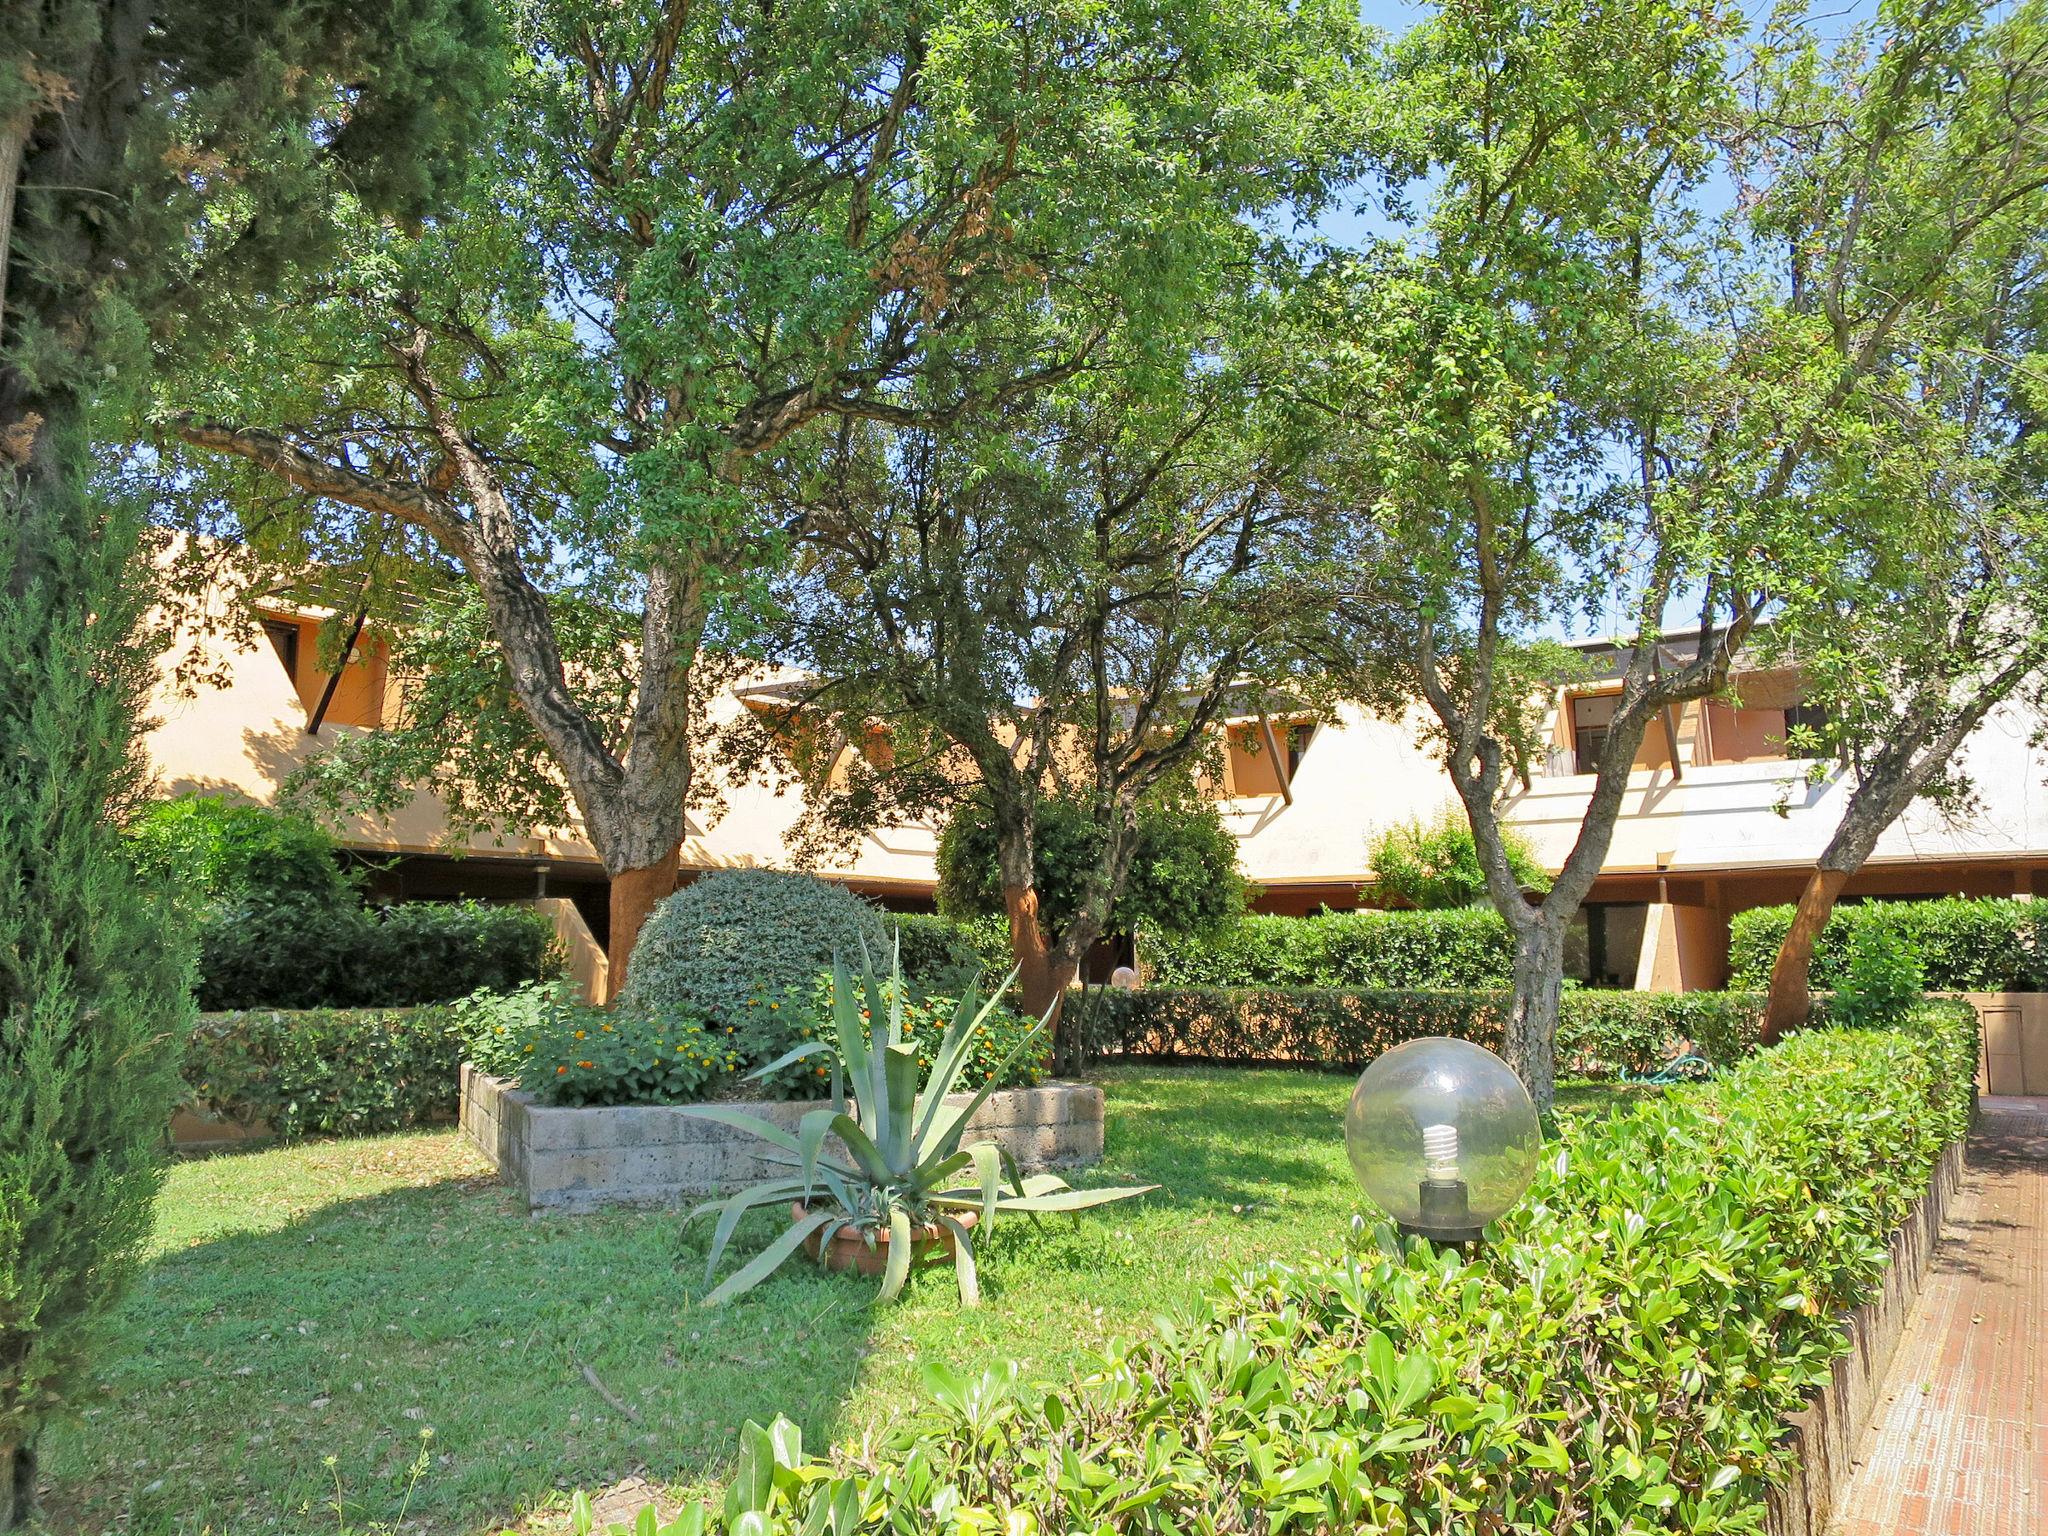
(312, 1313)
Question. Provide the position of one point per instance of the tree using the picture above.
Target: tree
(1183, 876)
(1579, 390)
(702, 236)
(1051, 613)
(1931, 610)
(1436, 866)
(156, 160)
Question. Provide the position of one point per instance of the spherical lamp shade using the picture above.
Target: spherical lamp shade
(1442, 1136)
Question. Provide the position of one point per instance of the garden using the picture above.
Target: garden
(358, 1327)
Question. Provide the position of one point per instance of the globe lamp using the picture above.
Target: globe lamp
(1442, 1136)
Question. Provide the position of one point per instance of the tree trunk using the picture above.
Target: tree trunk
(635, 893)
(1531, 1037)
(17, 1485)
(1792, 972)
(1042, 976)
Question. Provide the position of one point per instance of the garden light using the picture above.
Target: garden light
(1442, 1136)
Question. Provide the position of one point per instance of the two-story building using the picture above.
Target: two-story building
(1717, 819)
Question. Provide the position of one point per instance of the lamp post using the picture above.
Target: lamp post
(1443, 1137)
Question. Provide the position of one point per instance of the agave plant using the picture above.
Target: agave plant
(905, 1171)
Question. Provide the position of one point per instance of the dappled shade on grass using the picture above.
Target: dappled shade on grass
(339, 1298)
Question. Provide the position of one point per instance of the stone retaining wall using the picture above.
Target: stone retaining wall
(1826, 1432)
(580, 1159)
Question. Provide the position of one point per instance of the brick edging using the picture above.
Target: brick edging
(1825, 1434)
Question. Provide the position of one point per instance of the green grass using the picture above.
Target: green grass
(338, 1299)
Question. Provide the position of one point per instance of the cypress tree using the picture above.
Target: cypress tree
(94, 985)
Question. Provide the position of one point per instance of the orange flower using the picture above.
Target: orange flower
(560, 1070)
(586, 1065)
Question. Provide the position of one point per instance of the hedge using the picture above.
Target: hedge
(327, 1071)
(1468, 947)
(1622, 1356)
(1600, 1033)
(1966, 944)
(318, 954)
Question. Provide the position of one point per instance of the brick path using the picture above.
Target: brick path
(1959, 1442)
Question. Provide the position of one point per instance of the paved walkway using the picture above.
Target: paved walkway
(1959, 1441)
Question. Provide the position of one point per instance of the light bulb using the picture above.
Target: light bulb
(1440, 1151)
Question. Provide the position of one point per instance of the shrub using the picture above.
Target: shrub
(1183, 874)
(741, 936)
(1467, 948)
(1966, 944)
(328, 1071)
(1600, 1034)
(1435, 867)
(298, 954)
(222, 852)
(1622, 1356)
(1883, 980)
(939, 954)
(564, 1051)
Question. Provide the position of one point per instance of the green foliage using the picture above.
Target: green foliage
(221, 851)
(1883, 981)
(1965, 944)
(1600, 1033)
(1631, 1342)
(735, 940)
(1458, 949)
(565, 1051)
(328, 1071)
(939, 953)
(905, 1176)
(1436, 866)
(1183, 875)
(996, 1055)
(322, 954)
(94, 960)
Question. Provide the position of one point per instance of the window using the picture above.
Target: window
(1251, 769)
(1812, 716)
(284, 639)
(1590, 721)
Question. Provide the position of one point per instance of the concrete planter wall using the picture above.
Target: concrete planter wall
(582, 1159)
(1826, 1432)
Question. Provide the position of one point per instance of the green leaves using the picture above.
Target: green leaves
(902, 1139)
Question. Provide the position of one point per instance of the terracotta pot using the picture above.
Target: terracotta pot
(929, 1244)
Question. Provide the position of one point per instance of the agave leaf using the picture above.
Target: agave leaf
(933, 1175)
(963, 1262)
(793, 1160)
(862, 1146)
(853, 1040)
(766, 1262)
(988, 1169)
(734, 1206)
(1071, 1199)
(981, 1094)
(900, 1066)
(952, 1056)
(898, 1267)
(739, 1119)
(811, 1132)
(796, 1054)
(1036, 1183)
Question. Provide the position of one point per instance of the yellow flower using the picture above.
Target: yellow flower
(606, 1028)
(579, 1034)
(773, 1006)
(529, 1047)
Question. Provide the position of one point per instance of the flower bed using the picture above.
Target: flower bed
(1625, 1355)
(574, 1158)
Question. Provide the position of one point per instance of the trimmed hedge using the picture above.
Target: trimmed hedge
(1621, 1357)
(1466, 948)
(327, 1071)
(291, 954)
(1600, 1033)
(1967, 944)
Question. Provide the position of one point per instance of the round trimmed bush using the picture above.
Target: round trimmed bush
(731, 942)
